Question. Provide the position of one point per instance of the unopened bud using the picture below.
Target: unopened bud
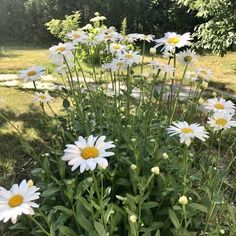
(133, 219)
(30, 183)
(155, 170)
(183, 200)
(165, 155)
(153, 51)
(133, 167)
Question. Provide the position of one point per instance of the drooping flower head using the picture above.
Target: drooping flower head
(204, 73)
(88, 153)
(221, 120)
(17, 201)
(187, 132)
(187, 57)
(33, 73)
(220, 104)
(172, 40)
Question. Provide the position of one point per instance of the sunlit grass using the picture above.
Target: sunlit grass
(15, 58)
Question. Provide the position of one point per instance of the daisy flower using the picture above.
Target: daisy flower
(116, 48)
(169, 69)
(42, 97)
(17, 201)
(187, 57)
(130, 57)
(118, 64)
(61, 51)
(88, 153)
(203, 73)
(221, 120)
(78, 36)
(33, 73)
(172, 40)
(187, 132)
(145, 37)
(191, 75)
(220, 104)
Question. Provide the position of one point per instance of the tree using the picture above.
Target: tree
(218, 32)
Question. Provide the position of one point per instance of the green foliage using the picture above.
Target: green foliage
(218, 32)
(129, 197)
(59, 28)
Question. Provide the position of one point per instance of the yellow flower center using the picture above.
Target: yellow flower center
(116, 46)
(60, 49)
(15, 201)
(108, 36)
(89, 152)
(219, 106)
(77, 36)
(173, 40)
(31, 73)
(188, 58)
(187, 130)
(221, 122)
(42, 97)
(120, 64)
(129, 56)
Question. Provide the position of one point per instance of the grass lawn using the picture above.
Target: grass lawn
(14, 58)
(18, 107)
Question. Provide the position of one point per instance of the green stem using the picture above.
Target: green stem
(39, 225)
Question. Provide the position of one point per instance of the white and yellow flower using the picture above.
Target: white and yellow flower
(204, 73)
(78, 36)
(187, 57)
(116, 48)
(33, 73)
(172, 40)
(17, 201)
(88, 153)
(221, 120)
(42, 97)
(60, 52)
(191, 75)
(187, 132)
(220, 104)
(130, 57)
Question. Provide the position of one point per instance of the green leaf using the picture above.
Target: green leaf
(174, 219)
(148, 205)
(64, 209)
(84, 223)
(66, 231)
(199, 207)
(51, 191)
(100, 228)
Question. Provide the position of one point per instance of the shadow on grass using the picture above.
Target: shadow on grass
(15, 163)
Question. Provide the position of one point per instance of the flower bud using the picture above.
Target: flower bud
(155, 170)
(204, 85)
(153, 51)
(165, 155)
(183, 200)
(30, 183)
(133, 139)
(214, 94)
(222, 231)
(133, 167)
(90, 179)
(133, 219)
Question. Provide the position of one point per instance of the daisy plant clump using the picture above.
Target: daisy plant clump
(171, 154)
